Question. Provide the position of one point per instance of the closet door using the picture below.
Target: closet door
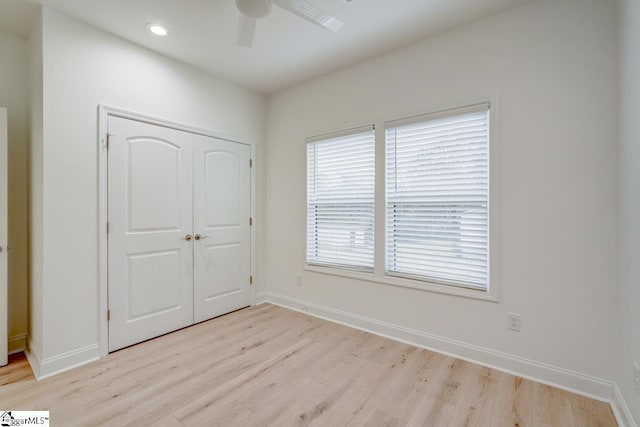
(4, 213)
(150, 199)
(221, 223)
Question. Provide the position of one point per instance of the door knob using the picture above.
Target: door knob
(188, 237)
(199, 237)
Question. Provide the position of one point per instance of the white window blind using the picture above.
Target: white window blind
(340, 199)
(437, 197)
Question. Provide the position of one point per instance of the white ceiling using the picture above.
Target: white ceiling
(287, 50)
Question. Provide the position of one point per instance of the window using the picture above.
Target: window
(437, 197)
(340, 199)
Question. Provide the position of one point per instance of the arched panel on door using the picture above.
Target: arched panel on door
(153, 184)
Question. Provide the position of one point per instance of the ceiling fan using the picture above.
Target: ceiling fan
(252, 10)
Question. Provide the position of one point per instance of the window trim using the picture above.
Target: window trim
(405, 282)
(379, 276)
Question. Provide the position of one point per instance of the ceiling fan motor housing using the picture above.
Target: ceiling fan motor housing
(254, 8)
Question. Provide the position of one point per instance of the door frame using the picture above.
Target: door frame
(4, 235)
(104, 112)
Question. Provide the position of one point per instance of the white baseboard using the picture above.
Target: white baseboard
(69, 360)
(261, 298)
(621, 410)
(33, 358)
(17, 343)
(44, 368)
(565, 379)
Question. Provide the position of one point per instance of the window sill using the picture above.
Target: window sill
(406, 283)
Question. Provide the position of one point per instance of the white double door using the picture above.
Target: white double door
(179, 232)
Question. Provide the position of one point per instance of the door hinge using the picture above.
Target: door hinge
(250, 163)
(108, 140)
(108, 315)
(250, 220)
(107, 227)
(251, 280)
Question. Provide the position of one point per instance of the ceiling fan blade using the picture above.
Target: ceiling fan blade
(311, 12)
(246, 29)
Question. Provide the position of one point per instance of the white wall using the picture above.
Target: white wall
(628, 321)
(84, 67)
(14, 96)
(553, 65)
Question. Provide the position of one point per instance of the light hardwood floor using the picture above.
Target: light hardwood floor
(267, 365)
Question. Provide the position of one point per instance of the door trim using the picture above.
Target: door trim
(104, 112)
(4, 236)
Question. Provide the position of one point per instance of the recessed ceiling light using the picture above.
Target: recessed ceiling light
(157, 29)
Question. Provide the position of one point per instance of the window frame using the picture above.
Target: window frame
(328, 137)
(454, 112)
(494, 268)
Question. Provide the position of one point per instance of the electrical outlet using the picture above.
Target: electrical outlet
(636, 377)
(298, 281)
(513, 322)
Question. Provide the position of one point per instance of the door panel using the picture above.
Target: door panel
(222, 183)
(223, 271)
(221, 216)
(4, 213)
(151, 282)
(150, 211)
(153, 192)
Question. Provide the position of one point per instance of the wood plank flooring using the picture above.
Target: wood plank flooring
(269, 366)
